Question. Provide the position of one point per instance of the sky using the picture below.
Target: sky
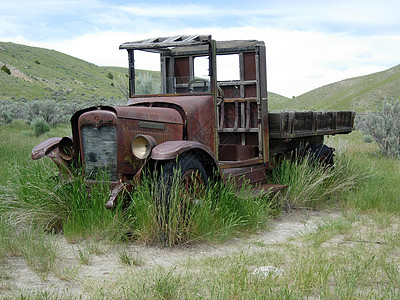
(309, 43)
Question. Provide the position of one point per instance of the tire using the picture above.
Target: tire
(191, 173)
(321, 154)
(181, 182)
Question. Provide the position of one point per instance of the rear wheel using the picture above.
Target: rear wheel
(321, 154)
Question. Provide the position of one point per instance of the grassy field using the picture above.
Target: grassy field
(348, 250)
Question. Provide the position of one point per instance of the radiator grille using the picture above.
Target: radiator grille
(100, 151)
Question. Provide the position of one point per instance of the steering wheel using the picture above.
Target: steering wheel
(220, 95)
(190, 89)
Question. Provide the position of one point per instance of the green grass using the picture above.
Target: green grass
(38, 73)
(378, 190)
(351, 254)
(216, 215)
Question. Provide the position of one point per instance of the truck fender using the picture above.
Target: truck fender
(52, 148)
(45, 148)
(171, 149)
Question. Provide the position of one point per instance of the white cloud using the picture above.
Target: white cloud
(309, 44)
(297, 61)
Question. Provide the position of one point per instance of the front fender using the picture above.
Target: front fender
(46, 148)
(171, 149)
(51, 149)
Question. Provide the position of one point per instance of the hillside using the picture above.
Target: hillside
(44, 74)
(358, 93)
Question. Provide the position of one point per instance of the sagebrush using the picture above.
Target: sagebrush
(384, 126)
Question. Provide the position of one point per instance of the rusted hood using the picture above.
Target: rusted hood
(155, 114)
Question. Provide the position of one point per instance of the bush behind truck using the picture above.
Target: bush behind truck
(208, 113)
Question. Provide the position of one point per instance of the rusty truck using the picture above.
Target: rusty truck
(205, 112)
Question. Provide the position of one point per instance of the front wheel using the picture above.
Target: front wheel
(182, 182)
(188, 172)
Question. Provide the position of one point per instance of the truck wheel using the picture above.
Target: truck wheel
(192, 183)
(192, 177)
(321, 154)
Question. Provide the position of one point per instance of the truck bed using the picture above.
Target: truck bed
(309, 123)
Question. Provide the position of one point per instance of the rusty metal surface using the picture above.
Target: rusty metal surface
(44, 147)
(171, 149)
(231, 152)
(155, 114)
(198, 113)
(166, 125)
(127, 163)
(253, 174)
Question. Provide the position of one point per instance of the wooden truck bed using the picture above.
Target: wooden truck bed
(310, 123)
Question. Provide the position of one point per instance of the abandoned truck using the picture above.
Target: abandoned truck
(206, 111)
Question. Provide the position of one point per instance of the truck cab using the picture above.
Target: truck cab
(205, 112)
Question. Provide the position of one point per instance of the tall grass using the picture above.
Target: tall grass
(35, 196)
(168, 217)
(312, 186)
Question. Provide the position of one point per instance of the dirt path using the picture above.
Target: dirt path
(106, 264)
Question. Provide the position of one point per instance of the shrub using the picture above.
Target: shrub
(5, 69)
(110, 75)
(7, 117)
(384, 126)
(40, 126)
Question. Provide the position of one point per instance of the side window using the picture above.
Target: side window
(147, 73)
(228, 67)
(201, 66)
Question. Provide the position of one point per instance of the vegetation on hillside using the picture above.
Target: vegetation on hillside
(37, 73)
(359, 93)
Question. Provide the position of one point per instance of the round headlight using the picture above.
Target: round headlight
(66, 148)
(141, 145)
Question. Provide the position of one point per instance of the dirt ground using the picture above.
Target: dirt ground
(106, 264)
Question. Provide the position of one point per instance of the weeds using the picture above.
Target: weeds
(310, 186)
(84, 256)
(384, 126)
(32, 245)
(35, 196)
(178, 220)
(128, 259)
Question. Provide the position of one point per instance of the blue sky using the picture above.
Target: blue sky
(309, 43)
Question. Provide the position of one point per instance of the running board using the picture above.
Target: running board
(268, 188)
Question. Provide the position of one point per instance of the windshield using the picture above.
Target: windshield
(158, 74)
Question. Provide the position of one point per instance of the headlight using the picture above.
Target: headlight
(66, 148)
(141, 145)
